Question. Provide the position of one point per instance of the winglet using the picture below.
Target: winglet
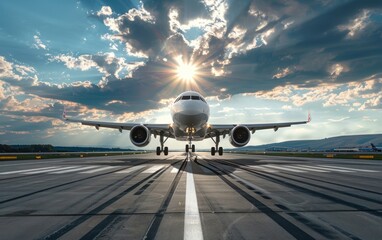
(309, 117)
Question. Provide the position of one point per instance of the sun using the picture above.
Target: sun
(186, 71)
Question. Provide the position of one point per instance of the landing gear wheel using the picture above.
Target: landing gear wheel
(187, 147)
(165, 151)
(193, 148)
(220, 151)
(213, 151)
(158, 151)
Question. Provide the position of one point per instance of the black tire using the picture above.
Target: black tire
(165, 151)
(213, 151)
(158, 151)
(193, 148)
(220, 151)
(187, 148)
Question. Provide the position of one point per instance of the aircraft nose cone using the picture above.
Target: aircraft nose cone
(191, 108)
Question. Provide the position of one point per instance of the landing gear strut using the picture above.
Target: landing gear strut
(162, 148)
(190, 145)
(216, 148)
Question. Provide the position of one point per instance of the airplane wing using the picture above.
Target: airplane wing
(223, 129)
(155, 129)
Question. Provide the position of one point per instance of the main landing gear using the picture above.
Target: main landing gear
(188, 148)
(217, 149)
(162, 148)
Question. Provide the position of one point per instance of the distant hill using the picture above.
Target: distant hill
(358, 141)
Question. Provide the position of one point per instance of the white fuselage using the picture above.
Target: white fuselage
(190, 113)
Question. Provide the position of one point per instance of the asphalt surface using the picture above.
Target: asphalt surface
(191, 197)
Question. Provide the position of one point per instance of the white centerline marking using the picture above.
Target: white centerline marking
(27, 170)
(192, 224)
(98, 169)
(132, 169)
(351, 169)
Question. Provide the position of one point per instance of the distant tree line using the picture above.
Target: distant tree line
(49, 148)
(26, 148)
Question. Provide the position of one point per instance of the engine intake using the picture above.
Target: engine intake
(140, 135)
(240, 136)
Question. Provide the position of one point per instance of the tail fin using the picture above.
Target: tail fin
(309, 117)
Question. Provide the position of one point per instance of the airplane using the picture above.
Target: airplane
(190, 113)
(376, 149)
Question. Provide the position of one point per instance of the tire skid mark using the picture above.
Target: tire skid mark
(68, 227)
(61, 185)
(92, 234)
(276, 179)
(157, 219)
(327, 233)
(339, 184)
(291, 228)
(331, 189)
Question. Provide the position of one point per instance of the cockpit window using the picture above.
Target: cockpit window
(190, 97)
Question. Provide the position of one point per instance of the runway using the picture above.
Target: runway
(234, 196)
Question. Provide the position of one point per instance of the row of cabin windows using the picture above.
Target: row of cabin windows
(190, 97)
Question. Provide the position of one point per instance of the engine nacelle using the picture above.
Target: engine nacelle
(240, 136)
(140, 135)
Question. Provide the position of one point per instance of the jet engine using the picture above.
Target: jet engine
(240, 136)
(140, 135)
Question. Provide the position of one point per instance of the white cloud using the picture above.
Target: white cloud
(106, 63)
(38, 43)
(284, 72)
(105, 11)
(364, 95)
(357, 25)
(336, 70)
(83, 62)
(339, 119)
(286, 107)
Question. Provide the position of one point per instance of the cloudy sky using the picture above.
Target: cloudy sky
(255, 61)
